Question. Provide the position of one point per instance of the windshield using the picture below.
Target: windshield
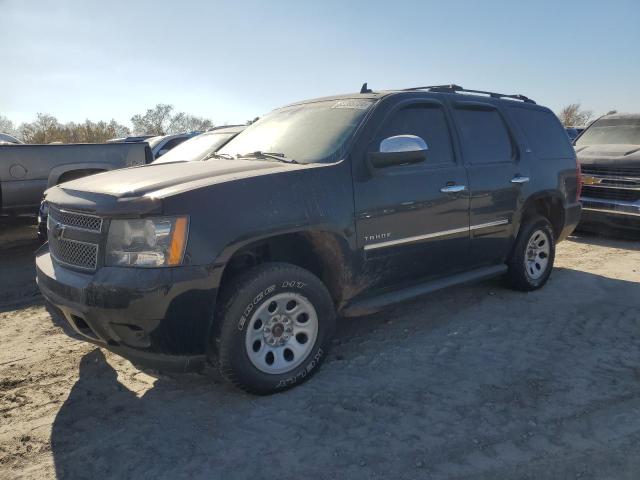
(307, 133)
(611, 131)
(196, 148)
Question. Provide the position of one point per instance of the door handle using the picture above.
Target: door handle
(453, 188)
(520, 180)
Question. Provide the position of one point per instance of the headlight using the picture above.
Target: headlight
(147, 242)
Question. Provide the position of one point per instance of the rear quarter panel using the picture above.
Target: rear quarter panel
(551, 163)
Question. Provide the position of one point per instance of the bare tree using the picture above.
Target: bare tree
(160, 121)
(573, 115)
(6, 126)
(156, 121)
(45, 129)
(182, 122)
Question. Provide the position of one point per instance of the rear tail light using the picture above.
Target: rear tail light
(579, 180)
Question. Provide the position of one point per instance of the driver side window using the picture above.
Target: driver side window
(426, 121)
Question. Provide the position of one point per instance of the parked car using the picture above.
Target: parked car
(202, 146)
(26, 171)
(163, 143)
(609, 155)
(573, 132)
(334, 206)
(130, 139)
(5, 139)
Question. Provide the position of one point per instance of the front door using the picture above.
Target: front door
(496, 179)
(412, 221)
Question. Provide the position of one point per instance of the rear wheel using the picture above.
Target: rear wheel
(531, 261)
(275, 328)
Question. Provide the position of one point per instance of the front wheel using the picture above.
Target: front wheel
(275, 328)
(531, 261)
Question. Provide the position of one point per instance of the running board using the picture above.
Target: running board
(373, 304)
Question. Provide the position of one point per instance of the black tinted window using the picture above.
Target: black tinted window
(173, 142)
(484, 136)
(427, 122)
(545, 134)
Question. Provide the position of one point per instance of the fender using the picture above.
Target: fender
(57, 172)
(347, 240)
(553, 195)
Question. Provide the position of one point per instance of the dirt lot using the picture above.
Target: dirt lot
(474, 382)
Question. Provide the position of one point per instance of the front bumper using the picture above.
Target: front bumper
(157, 317)
(602, 213)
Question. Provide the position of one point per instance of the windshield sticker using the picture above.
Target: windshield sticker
(352, 104)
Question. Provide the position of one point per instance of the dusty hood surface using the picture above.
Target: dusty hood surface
(619, 155)
(140, 181)
(139, 190)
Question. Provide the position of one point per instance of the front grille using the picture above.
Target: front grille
(611, 171)
(611, 193)
(63, 230)
(77, 220)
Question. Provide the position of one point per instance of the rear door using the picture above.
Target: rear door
(496, 178)
(412, 220)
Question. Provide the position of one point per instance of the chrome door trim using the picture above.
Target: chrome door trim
(453, 188)
(443, 233)
(503, 221)
(417, 238)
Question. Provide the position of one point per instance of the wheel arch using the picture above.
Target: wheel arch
(60, 171)
(550, 205)
(323, 252)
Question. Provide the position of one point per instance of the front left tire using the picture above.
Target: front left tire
(275, 326)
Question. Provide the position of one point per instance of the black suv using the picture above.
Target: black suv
(335, 206)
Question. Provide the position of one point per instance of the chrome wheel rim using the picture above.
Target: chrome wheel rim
(536, 258)
(281, 333)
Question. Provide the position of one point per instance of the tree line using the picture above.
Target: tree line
(160, 120)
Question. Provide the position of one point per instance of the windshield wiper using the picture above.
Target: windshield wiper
(280, 157)
(226, 156)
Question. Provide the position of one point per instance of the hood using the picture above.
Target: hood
(139, 189)
(618, 154)
(160, 178)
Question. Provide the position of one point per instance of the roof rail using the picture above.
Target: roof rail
(457, 88)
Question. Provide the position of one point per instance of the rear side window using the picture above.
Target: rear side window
(426, 121)
(545, 134)
(484, 136)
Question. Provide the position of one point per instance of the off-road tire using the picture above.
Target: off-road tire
(245, 295)
(517, 274)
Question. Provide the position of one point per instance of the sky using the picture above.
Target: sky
(232, 61)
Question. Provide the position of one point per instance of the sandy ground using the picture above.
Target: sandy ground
(474, 382)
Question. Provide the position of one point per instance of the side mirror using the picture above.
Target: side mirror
(399, 150)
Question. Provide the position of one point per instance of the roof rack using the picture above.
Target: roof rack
(457, 88)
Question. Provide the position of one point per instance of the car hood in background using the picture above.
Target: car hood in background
(622, 155)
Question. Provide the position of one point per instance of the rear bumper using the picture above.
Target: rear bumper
(601, 213)
(572, 214)
(157, 317)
